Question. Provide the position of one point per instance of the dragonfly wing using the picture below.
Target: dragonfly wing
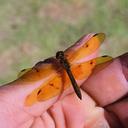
(86, 48)
(47, 90)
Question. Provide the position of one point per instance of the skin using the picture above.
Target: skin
(104, 103)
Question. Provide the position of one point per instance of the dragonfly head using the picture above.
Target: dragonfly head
(60, 55)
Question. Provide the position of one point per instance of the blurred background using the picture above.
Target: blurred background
(31, 30)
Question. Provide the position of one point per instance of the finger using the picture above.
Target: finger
(48, 120)
(118, 112)
(110, 83)
(119, 108)
(38, 123)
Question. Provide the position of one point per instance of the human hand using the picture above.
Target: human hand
(99, 107)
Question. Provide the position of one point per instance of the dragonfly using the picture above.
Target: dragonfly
(65, 64)
(77, 63)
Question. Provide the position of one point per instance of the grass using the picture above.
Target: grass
(33, 30)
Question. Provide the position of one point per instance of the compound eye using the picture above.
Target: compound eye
(60, 54)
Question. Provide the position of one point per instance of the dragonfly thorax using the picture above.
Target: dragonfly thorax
(62, 59)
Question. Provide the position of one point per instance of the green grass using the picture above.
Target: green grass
(33, 30)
